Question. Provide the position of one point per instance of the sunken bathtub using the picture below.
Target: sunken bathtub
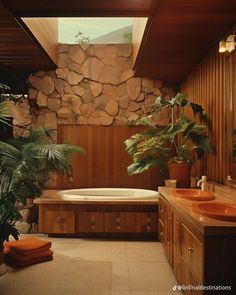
(108, 194)
(101, 212)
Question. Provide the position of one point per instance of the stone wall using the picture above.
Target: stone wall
(93, 85)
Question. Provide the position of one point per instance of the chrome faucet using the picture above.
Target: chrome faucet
(202, 183)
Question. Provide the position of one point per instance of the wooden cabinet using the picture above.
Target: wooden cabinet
(104, 220)
(165, 229)
(119, 222)
(91, 222)
(188, 279)
(177, 233)
(192, 253)
(145, 222)
(59, 222)
(203, 249)
(182, 249)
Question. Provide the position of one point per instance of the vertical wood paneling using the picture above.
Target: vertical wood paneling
(206, 85)
(105, 162)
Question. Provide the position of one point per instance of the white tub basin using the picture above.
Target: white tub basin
(108, 194)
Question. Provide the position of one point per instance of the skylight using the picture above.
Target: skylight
(95, 30)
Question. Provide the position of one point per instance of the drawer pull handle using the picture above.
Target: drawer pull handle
(60, 227)
(148, 219)
(118, 219)
(161, 210)
(118, 227)
(148, 228)
(60, 219)
(177, 222)
(92, 227)
(161, 233)
(190, 250)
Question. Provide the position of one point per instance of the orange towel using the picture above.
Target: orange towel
(26, 258)
(27, 246)
(16, 263)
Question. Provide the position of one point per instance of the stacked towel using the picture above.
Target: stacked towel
(27, 251)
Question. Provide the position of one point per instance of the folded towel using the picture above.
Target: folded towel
(25, 258)
(16, 263)
(27, 246)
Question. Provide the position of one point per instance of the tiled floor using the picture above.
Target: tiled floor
(94, 267)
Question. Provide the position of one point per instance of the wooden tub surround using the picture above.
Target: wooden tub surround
(201, 250)
(96, 218)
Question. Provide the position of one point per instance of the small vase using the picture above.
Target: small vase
(181, 172)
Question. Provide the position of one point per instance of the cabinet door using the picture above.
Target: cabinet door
(192, 253)
(165, 229)
(188, 279)
(91, 222)
(62, 222)
(168, 231)
(145, 222)
(119, 222)
(177, 248)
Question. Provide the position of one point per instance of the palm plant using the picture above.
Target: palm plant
(25, 164)
(176, 142)
(8, 216)
(27, 161)
(3, 110)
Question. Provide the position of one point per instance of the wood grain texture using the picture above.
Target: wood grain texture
(105, 162)
(45, 30)
(18, 49)
(180, 35)
(207, 85)
(82, 8)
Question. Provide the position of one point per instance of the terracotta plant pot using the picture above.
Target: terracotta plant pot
(181, 172)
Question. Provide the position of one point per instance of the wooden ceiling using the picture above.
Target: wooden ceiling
(79, 8)
(19, 49)
(179, 32)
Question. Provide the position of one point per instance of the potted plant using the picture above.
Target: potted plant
(172, 145)
(25, 164)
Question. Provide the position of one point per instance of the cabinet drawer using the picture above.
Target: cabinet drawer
(192, 252)
(188, 279)
(145, 222)
(91, 222)
(119, 222)
(59, 222)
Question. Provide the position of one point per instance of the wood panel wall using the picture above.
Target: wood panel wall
(139, 25)
(45, 30)
(207, 85)
(105, 162)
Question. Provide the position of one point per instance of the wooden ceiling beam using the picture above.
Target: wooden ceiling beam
(82, 8)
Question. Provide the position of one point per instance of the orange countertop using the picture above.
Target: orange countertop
(205, 225)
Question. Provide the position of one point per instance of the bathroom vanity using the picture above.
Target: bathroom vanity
(96, 218)
(200, 250)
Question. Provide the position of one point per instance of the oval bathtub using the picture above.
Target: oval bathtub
(108, 194)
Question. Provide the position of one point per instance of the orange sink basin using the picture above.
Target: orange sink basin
(193, 194)
(222, 211)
